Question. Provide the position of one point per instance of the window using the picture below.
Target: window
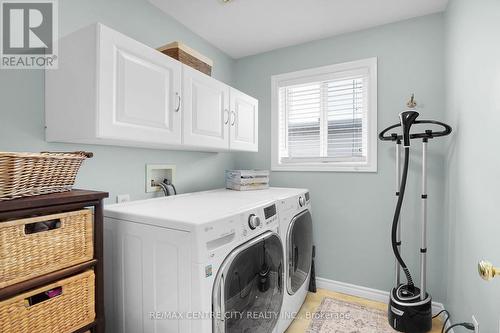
(324, 119)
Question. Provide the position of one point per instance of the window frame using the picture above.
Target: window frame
(318, 74)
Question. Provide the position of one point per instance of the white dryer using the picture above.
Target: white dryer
(294, 211)
(195, 263)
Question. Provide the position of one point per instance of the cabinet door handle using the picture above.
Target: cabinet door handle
(226, 114)
(234, 118)
(178, 102)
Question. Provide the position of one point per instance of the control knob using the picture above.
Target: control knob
(302, 201)
(253, 221)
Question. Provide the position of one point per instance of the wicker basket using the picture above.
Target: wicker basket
(188, 56)
(29, 174)
(25, 255)
(72, 309)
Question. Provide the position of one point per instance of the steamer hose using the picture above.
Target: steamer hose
(395, 220)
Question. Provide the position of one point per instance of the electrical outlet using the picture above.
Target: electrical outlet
(122, 198)
(476, 324)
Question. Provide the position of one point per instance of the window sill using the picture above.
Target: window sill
(325, 168)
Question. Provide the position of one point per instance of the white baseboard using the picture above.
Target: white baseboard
(364, 292)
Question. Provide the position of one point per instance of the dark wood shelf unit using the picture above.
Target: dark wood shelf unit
(62, 202)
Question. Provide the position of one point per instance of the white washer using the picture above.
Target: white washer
(170, 262)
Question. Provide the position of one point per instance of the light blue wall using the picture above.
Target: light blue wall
(113, 169)
(473, 163)
(353, 211)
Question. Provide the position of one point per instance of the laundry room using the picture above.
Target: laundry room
(237, 166)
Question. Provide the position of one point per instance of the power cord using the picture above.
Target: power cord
(445, 321)
(468, 326)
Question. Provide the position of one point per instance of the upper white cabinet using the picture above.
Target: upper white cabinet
(244, 121)
(216, 115)
(139, 91)
(205, 110)
(111, 89)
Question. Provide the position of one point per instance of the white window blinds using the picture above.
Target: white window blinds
(324, 118)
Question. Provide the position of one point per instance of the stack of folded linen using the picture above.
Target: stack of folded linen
(246, 180)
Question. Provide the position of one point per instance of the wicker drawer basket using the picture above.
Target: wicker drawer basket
(27, 250)
(71, 310)
(29, 174)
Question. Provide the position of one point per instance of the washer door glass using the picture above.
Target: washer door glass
(248, 291)
(299, 248)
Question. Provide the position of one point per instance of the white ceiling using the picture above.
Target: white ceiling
(246, 27)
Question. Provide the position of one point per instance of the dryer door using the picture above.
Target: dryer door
(299, 251)
(248, 289)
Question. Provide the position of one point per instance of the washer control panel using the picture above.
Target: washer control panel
(261, 217)
(253, 221)
(304, 199)
(270, 214)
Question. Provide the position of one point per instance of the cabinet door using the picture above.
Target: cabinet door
(205, 110)
(244, 122)
(138, 92)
